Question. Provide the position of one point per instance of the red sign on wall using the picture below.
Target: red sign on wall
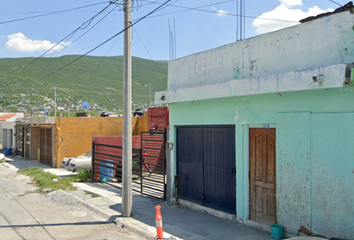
(158, 118)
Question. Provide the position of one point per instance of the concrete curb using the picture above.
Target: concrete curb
(130, 224)
(123, 223)
(11, 167)
(87, 205)
(142, 230)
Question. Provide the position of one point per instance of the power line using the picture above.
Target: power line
(336, 3)
(131, 25)
(47, 14)
(61, 49)
(187, 9)
(105, 57)
(147, 51)
(70, 35)
(51, 11)
(227, 14)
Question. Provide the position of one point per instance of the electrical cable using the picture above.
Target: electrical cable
(147, 50)
(131, 25)
(158, 10)
(335, 3)
(68, 37)
(187, 9)
(47, 14)
(61, 49)
(227, 14)
(105, 57)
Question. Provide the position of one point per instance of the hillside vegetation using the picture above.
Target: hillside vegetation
(98, 80)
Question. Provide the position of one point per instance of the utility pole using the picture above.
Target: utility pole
(127, 112)
(55, 102)
(150, 94)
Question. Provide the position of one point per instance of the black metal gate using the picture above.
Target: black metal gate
(206, 166)
(148, 166)
(27, 141)
(107, 162)
(19, 131)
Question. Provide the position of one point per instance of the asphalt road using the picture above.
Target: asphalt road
(26, 213)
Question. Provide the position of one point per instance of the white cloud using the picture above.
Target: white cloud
(283, 12)
(222, 13)
(20, 43)
(291, 3)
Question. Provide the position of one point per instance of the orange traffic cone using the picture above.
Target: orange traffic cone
(158, 219)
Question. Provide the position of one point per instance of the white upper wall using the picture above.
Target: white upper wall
(322, 42)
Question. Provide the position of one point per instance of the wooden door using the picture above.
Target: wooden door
(262, 175)
(46, 146)
(42, 146)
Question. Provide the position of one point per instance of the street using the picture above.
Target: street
(26, 213)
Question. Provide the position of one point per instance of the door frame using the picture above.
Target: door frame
(245, 128)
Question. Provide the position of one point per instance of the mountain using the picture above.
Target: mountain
(27, 84)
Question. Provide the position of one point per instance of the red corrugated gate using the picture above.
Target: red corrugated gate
(153, 181)
(148, 162)
(108, 150)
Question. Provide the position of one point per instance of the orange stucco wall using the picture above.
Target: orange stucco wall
(74, 135)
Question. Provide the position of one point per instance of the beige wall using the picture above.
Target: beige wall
(74, 135)
(141, 126)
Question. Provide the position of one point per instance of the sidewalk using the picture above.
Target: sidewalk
(178, 221)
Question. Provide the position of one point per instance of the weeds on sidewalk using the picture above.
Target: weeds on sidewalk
(45, 180)
(85, 176)
(93, 195)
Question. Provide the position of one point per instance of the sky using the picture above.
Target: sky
(54, 28)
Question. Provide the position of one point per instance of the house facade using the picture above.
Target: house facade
(7, 126)
(50, 139)
(263, 128)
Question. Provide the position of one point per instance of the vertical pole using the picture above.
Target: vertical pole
(127, 119)
(169, 37)
(244, 19)
(175, 43)
(150, 94)
(241, 17)
(93, 159)
(237, 17)
(55, 102)
(141, 162)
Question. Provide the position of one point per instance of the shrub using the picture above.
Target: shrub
(85, 176)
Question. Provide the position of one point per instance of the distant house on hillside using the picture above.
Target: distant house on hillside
(263, 128)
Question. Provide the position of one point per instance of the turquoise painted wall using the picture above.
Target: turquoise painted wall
(294, 167)
(302, 134)
(332, 139)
